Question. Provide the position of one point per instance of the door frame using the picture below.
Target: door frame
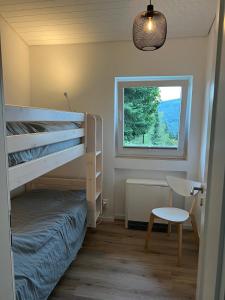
(212, 256)
(7, 286)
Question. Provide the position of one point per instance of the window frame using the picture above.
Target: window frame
(186, 82)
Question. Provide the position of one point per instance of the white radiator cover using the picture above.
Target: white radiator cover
(142, 195)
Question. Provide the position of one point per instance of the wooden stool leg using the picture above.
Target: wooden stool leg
(148, 235)
(180, 233)
(194, 225)
(169, 228)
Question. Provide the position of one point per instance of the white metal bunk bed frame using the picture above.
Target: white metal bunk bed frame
(29, 173)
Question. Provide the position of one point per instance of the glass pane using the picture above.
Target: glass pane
(152, 116)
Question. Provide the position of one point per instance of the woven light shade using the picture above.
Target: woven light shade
(149, 30)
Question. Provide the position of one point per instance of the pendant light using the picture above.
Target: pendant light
(149, 29)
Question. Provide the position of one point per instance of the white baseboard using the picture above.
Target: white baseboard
(120, 217)
(111, 219)
(186, 226)
(108, 219)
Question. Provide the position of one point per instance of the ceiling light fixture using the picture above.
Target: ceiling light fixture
(149, 29)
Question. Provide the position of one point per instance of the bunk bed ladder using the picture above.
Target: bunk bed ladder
(94, 168)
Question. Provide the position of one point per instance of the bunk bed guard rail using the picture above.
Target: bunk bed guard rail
(28, 171)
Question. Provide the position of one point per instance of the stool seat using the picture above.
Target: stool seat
(171, 214)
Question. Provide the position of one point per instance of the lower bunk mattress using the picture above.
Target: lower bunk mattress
(48, 229)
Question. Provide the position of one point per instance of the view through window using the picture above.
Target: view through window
(152, 116)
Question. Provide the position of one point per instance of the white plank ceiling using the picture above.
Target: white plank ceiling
(42, 22)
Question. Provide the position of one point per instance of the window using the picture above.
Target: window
(152, 116)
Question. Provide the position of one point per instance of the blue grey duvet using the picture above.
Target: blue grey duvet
(16, 128)
(48, 228)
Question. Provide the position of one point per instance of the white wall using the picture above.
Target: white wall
(16, 66)
(87, 73)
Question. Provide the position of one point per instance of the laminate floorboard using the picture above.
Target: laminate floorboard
(113, 265)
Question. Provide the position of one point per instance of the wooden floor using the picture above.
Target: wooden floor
(112, 265)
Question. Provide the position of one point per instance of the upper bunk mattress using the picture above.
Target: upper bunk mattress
(48, 228)
(16, 128)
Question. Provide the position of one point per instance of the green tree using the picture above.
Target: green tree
(140, 108)
(156, 134)
(160, 135)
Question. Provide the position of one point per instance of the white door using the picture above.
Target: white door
(6, 265)
(212, 258)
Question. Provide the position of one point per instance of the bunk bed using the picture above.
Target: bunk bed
(49, 221)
